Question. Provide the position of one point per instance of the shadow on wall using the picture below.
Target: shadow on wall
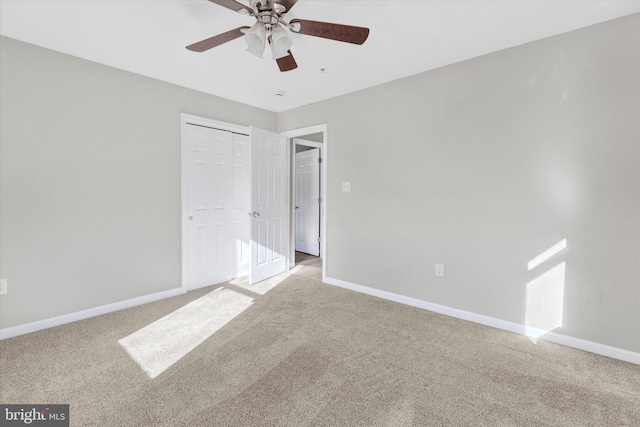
(544, 306)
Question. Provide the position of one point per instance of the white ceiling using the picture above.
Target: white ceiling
(148, 37)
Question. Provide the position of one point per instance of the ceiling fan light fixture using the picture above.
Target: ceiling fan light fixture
(255, 38)
(281, 39)
(278, 54)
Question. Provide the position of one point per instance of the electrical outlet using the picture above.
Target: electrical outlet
(346, 186)
(3, 286)
(440, 270)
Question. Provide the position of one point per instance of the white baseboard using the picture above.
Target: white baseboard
(85, 314)
(592, 347)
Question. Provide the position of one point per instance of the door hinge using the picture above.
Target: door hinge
(318, 239)
(319, 159)
(319, 199)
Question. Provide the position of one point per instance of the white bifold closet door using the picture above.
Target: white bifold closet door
(217, 199)
(237, 202)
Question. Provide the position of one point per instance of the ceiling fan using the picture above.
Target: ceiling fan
(271, 27)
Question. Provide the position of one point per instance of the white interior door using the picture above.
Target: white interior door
(270, 204)
(209, 212)
(241, 153)
(307, 203)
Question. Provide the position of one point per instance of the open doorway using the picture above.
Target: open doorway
(308, 266)
(308, 193)
(306, 196)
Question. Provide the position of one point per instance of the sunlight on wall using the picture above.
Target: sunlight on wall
(545, 302)
(544, 308)
(162, 343)
(549, 253)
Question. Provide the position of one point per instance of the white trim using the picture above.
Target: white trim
(590, 346)
(26, 328)
(216, 124)
(298, 141)
(324, 129)
(186, 119)
(294, 133)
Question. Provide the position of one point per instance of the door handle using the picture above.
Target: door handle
(190, 218)
(256, 214)
(296, 207)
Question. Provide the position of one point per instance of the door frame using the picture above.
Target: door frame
(300, 133)
(185, 120)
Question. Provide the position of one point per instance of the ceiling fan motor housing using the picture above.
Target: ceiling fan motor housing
(268, 12)
(267, 5)
(267, 18)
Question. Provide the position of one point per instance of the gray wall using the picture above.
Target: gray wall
(90, 184)
(484, 164)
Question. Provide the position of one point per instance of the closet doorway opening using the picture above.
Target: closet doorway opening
(235, 202)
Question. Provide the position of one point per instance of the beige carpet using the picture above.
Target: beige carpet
(305, 353)
(308, 266)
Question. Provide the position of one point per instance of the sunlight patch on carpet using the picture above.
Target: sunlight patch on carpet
(162, 343)
(260, 288)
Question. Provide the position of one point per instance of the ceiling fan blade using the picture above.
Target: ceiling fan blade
(214, 41)
(287, 63)
(288, 4)
(233, 5)
(339, 32)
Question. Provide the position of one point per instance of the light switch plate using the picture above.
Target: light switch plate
(3, 286)
(346, 186)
